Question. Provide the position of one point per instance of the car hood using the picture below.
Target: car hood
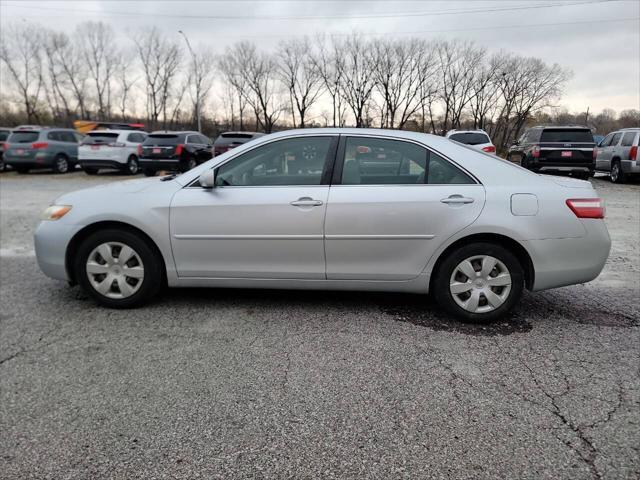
(113, 190)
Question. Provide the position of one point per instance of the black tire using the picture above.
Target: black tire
(617, 175)
(21, 169)
(91, 171)
(440, 286)
(152, 263)
(189, 164)
(61, 164)
(132, 167)
(2, 167)
(148, 172)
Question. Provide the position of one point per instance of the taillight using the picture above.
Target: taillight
(490, 149)
(587, 207)
(179, 148)
(535, 152)
(633, 153)
(5, 146)
(139, 149)
(39, 145)
(595, 153)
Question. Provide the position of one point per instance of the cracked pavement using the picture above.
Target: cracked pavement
(282, 384)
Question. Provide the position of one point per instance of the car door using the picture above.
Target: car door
(391, 204)
(603, 154)
(263, 219)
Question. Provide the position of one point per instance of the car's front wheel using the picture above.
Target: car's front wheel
(479, 282)
(118, 268)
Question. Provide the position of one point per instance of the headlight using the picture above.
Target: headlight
(55, 212)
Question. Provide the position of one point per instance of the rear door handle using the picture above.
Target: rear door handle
(306, 202)
(456, 200)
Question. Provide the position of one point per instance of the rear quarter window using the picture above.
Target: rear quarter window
(628, 138)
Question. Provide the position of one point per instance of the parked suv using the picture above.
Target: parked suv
(55, 148)
(477, 139)
(562, 149)
(110, 149)
(4, 134)
(179, 151)
(618, 154)
(229, 140)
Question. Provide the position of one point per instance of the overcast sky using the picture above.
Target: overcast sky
(599, 40)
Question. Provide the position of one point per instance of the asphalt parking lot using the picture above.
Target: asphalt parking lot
(281, 384)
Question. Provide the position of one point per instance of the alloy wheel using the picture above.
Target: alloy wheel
(62, 165)
(615, 172)
(132, 165)
(115, 270)
(480, 284)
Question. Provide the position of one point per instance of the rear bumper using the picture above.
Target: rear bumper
(159, 163)
(630, 166)
(40, 159)
(569, 261)
(102, 164)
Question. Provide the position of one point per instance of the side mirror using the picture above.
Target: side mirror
(207, 178)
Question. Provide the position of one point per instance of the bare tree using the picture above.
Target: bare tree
(327, 61)
(160, 60)
(300, 76)
(356, 81)
(100, 54)
(486, 91)
(201, 79)
(404, 68)
(20, 52)
(231, 70)
(257, 70)
(56, 84)
(125, 83)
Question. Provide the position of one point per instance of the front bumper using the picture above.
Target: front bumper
(569, 261)
(51, 240)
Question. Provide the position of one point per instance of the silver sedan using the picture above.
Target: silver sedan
(340, 209)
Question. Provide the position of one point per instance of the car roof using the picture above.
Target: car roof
(581, 127)
(174, 132)
(240, 132)
(109, 130)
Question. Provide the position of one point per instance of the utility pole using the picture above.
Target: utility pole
(196, 71)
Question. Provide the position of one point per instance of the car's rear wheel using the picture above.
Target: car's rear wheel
(132, 165)
(60, 164)
(479, 282)
(118, 268)
(617, 174)
(190, 164)
(148, 172)
(90, 171)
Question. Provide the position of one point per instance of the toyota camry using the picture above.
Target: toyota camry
(335, 209)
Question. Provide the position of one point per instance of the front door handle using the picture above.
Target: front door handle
(306, 202)
(456, 200)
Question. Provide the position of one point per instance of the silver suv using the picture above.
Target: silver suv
(618, 154)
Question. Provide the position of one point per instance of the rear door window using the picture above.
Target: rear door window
(23, 137)
(68, 137)
(55, 136)
(471, 138)
(567, 135)
(627, 139)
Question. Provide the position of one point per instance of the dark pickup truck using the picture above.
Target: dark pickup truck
(556, 150)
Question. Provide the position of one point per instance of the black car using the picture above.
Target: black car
(229, 140)
(4, 134)
(175, 151)
(562, 149)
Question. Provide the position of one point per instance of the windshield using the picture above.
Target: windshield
(471, 138)
(566, 135)
(23, 137)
